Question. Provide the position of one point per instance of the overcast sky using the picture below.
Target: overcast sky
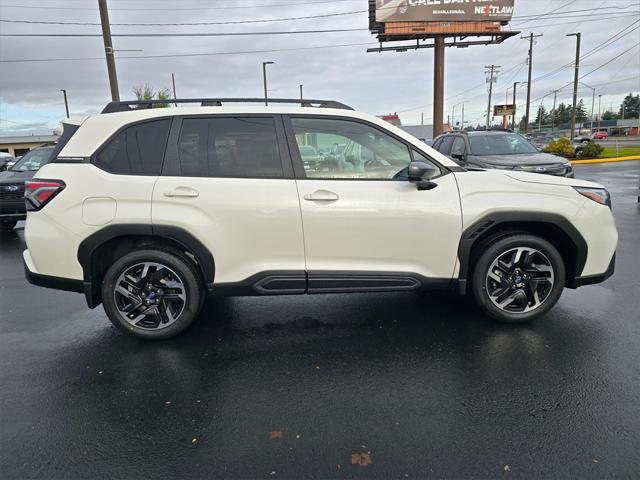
(378, 83)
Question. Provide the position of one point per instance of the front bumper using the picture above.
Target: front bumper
(13, 209)
(592, 279)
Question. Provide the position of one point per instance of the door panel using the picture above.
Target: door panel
(382, 226)
(359, 216)
(249, 225)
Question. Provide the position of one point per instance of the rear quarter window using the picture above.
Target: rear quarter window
(136, 150)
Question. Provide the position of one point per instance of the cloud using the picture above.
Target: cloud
(377, 83)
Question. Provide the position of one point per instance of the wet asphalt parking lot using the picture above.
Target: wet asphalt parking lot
(396, 385)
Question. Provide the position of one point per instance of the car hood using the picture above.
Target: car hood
(538, 158)
(11, 176)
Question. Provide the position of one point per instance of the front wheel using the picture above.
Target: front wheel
(152, 294)
(518, 278)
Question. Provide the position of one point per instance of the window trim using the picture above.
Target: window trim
(94, 157)
(298, 165)
(171, 165)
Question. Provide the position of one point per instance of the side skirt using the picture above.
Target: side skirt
(300, 282)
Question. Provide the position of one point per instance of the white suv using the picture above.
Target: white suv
(147, 209)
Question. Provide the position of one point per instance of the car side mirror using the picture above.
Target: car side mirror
(420, 173)
(461, 157)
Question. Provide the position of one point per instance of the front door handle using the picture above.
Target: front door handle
(182, 192)
(321, 196)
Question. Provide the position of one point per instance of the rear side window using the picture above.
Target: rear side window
(136, 150)
(445, 145)
(229, 147)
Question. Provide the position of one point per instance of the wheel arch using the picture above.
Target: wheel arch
(554, 228)
(97, 251)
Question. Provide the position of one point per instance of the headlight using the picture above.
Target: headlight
(598, 195)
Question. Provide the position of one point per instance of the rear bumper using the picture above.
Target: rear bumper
(47, 281)
(598, 278)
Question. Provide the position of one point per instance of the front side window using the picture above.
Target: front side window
(229, 147)
(136, 150)
(348, 150)
(445, 145)
(457, 148)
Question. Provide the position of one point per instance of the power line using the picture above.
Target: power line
(155, 8)
(179, 24)
(199, 34)
(179, 55)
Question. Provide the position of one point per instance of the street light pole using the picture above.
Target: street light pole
(575, 83)
(526, 115)
(300, 91)
(514, 104)
(593, 100)
(264, 80)
(66, 104)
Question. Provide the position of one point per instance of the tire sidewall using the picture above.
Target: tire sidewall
(180, 266)
(494, 250)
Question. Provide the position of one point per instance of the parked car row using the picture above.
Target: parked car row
(501, 150)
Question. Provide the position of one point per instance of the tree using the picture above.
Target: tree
(609, 115)
(581, 112)
(631, 106)
(145, 92)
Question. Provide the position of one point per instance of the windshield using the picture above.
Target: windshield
(500, 144)
(33, 160)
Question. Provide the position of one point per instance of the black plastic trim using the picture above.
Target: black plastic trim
(300, 282)
(88, 246)
(471, 234)
(285, 282)
(598, 278)
(48, 281)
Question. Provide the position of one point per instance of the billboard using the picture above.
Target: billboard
(443, 10)
(499, 110)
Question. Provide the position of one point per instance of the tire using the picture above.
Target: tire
(534, 281)
(152, 294)
(7, 224)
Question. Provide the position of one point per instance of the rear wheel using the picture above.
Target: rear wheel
(152, 294)
(7, 224)
(518, 278)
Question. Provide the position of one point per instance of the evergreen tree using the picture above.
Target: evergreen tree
(631, 105)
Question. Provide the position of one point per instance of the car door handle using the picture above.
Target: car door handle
(182, 192)
(321, 196)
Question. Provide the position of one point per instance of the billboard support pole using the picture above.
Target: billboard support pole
(438, 86)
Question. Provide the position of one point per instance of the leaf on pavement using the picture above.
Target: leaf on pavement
(275, 434)
(362, 459)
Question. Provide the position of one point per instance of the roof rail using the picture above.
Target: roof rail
(126, 106)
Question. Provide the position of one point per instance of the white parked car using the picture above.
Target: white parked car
(146, 209)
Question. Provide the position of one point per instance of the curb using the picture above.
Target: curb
(605, 160)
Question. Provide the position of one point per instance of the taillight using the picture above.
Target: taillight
(40, 192)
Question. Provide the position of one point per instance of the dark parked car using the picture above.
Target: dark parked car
(6, 161)
(12, 181)
(502, 150)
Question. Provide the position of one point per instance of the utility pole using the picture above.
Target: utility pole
(173, 82)
(599, 110)
(491, 71)
(264, 80)
(575, 83)
(438, 85)
(514, 105)
(553, 110)
(300, 91)
(422, 118)
(526, 115)
(108, 50)
(462, 119)
(66, 104)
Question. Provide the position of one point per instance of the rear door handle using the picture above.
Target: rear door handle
(182, 192)
(321, 196)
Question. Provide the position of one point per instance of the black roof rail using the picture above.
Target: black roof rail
(126, 106)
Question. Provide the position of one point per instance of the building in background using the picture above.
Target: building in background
(19, 145)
